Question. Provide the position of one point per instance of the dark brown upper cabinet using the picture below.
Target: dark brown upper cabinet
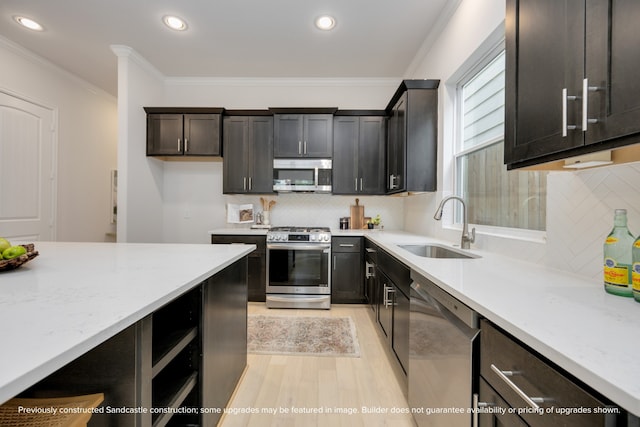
(248, 154)
(412, 141)
(571, 83)
(303, 132)
(184, 131)
(359, 153)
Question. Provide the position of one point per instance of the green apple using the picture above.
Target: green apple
(13, 252)
(4, 244)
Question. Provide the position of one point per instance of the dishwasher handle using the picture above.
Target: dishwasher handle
(455, 308)
(469, 329)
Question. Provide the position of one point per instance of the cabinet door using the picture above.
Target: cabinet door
(288, 135)
(400, 340)
(371, 155)
(612, 65)
(234, 170)
(260, 155)
(164, 135)
(544, 55)
(257, 260)
(224, 337)
(396, 146)
(318, 135)
(345, 155)
(371, 285)
(346, 278)
(385, 303)
(202, 135)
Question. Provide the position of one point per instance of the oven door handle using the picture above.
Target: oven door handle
(299, 246)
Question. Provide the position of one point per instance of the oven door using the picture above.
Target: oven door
(299, 268)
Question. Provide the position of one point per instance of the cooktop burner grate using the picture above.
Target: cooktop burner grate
(297, 229)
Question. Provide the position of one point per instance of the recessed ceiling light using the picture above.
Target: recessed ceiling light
(325, 22)
(28, 23)
(174, 23)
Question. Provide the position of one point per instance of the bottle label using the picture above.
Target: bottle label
(611, 240)
(635, 274)
(616, 274)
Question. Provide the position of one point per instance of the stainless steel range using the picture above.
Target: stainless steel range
(299, 267)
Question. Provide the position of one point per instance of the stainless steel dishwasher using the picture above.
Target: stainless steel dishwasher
(441, 346)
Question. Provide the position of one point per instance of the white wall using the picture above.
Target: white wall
(87, 140)
(141, 178)
(579, 204)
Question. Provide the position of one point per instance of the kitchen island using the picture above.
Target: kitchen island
(76, 297)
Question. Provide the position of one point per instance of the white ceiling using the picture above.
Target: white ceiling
(233, 38)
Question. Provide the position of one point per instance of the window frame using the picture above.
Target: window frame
(476, 63)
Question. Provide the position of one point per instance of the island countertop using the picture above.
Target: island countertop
(74, 296)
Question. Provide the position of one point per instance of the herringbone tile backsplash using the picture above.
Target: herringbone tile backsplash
(580, 209)
(324, 210)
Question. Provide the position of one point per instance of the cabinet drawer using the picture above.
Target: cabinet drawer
(399, 273)
(259, 241)
(346, 244)
(504, 361)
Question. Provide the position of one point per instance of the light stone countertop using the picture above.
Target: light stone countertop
(570, 320)
(565, 317)
(74, 296)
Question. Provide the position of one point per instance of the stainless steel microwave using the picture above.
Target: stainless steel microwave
(306, 175)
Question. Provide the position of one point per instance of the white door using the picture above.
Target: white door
(27, 170)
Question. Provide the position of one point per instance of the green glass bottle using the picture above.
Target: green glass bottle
(635, 274)
(617, 257)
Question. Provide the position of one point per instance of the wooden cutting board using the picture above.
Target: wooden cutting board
(357, 215)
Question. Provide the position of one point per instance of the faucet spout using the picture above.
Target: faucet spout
(466, 239)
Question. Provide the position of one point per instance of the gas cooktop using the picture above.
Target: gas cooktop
(297, 229)
(294, 234)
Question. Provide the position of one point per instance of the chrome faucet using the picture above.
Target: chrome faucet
(466, 239)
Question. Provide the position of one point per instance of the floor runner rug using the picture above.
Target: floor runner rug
(302, 335)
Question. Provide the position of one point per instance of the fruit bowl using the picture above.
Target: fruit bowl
(10, 264)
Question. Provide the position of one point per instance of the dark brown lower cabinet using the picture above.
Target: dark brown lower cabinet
(257, 276)
(533, 391)
(347, 270)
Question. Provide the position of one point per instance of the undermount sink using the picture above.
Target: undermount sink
(436, 251)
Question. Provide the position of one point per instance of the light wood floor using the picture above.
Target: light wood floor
(330, 384)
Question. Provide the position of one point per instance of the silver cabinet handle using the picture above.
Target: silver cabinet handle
(386, 300)
(334, 263)
(585, 104)
(186, 145)
(360, 184)
(356, 184)
(179, 145)
(392, 182)
(299, 147)
(250, 183)
(346, 245)
(244, 183)
(369, 270)
(305, 148)
(477, 404)
(504, 376)
(566, 98)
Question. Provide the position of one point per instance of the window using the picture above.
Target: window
(495, 197)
